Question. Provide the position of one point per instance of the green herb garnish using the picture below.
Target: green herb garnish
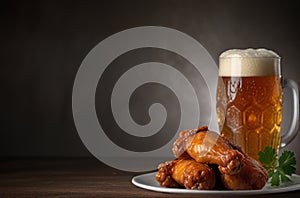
(281, 170)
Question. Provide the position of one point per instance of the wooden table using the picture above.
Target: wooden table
(75, 177)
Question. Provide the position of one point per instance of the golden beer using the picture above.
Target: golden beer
(251, 112)
(249, 99)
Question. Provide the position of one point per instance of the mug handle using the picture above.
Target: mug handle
(293, 128)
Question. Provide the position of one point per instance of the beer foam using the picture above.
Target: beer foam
(249, 62)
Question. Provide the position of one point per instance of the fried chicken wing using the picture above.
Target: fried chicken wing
(210, 148)
(164, 174)
(252, 176)
(187, 173)
(238, 170)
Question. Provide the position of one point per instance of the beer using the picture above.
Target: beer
(252, 114)
(249, 99)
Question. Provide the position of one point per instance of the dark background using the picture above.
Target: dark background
(44, 42)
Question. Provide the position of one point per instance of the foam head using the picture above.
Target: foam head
(249, 62)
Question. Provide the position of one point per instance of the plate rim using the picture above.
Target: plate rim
(272, 190)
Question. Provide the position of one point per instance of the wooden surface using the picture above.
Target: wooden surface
(75, 177)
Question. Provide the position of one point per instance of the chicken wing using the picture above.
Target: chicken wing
(210, 148)
(187, 173)
(164, 174)
(252, 176)
(238, 170)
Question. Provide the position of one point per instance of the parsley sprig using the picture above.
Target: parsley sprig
(278, 171)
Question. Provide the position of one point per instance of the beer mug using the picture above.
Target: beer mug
(249, 100)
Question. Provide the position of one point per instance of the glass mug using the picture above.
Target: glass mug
(249, 100)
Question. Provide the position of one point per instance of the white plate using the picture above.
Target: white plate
(147, 181)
